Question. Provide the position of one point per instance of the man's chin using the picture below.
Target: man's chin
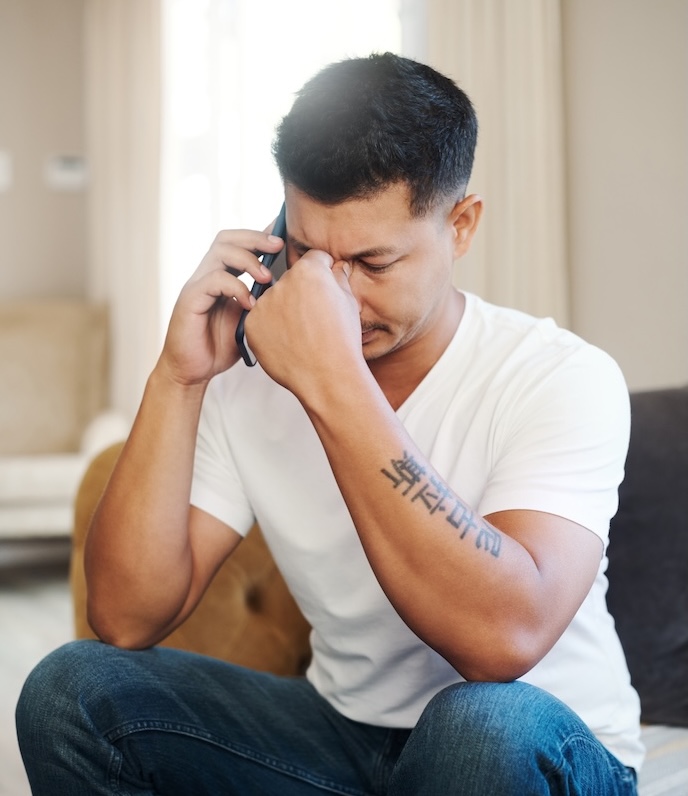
(377, 344)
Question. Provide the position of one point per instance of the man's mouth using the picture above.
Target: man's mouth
(370, 332)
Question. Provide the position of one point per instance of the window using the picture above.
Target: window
(231, 69)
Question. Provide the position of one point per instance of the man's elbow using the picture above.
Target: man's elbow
(511, 658)
(116, 631)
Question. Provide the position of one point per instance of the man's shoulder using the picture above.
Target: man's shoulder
(494, 322)
(505, 362)
(510, 336)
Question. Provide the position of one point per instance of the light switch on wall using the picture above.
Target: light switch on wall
(65, 172)
(6, 175)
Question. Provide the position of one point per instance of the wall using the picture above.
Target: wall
(42, 231)
(626, 66)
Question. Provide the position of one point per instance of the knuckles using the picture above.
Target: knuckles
(315, 257)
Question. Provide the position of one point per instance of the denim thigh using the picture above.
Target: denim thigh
(94, 719)
(511, 739)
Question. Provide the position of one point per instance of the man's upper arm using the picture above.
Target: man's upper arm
(566, 554)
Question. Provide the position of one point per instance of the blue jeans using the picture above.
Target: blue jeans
(93, 719)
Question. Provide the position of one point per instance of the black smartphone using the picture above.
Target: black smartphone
(277, 263)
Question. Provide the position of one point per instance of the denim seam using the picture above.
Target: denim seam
(380, 773)
(623, 773)
(114, 773)
(154, 725)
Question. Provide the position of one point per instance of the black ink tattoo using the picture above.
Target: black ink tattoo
(406, 471)
(436, 496)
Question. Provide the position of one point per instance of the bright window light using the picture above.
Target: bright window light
(231, 70)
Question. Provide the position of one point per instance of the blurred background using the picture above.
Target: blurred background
(131, 131)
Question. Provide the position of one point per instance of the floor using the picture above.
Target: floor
(35, 618)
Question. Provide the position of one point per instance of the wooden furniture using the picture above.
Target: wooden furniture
(247, 615)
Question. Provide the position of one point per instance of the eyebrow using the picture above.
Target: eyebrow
(375, 251)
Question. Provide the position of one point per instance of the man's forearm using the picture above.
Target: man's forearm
(138, 560)
(468, 589)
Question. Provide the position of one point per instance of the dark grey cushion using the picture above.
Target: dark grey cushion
(648, 555)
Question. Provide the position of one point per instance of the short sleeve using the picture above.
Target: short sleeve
(217, 487)
(562, 450)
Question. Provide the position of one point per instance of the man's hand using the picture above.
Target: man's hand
(307, 328)
(200, 339)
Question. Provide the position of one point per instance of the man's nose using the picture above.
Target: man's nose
(345, 267)
(351, 277)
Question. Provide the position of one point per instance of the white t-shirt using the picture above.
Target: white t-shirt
(516, 414)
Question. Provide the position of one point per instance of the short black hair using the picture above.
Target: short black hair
(363, 124)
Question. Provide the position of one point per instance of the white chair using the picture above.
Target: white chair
(53, 411)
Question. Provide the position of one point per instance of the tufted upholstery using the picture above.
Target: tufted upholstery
(247, 615)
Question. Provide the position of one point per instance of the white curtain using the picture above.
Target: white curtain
(123, 107)
(507, 56)
(182, 98)
(229, 78)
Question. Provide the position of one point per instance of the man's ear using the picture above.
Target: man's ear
(464, 218)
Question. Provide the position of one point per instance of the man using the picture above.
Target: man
(434, 475)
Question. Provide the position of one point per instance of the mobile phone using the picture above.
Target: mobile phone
(277, 263)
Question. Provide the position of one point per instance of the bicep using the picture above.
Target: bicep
(566, 554)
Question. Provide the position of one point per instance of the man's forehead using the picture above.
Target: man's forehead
(371, 252)
(375, 226)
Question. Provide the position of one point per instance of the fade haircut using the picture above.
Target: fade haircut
(364, 124)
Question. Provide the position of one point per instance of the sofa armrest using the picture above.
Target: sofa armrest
(247, 615)
(107, 428)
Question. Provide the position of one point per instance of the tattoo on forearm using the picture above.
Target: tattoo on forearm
(411, 478)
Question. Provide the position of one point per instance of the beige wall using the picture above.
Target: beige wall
(626, 66)
(42, 231)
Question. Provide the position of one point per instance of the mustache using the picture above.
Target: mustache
(368, 327)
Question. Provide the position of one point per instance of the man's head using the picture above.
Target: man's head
(362, 125)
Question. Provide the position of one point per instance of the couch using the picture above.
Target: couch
(648, 581)
(248, 616)
(53, 410)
